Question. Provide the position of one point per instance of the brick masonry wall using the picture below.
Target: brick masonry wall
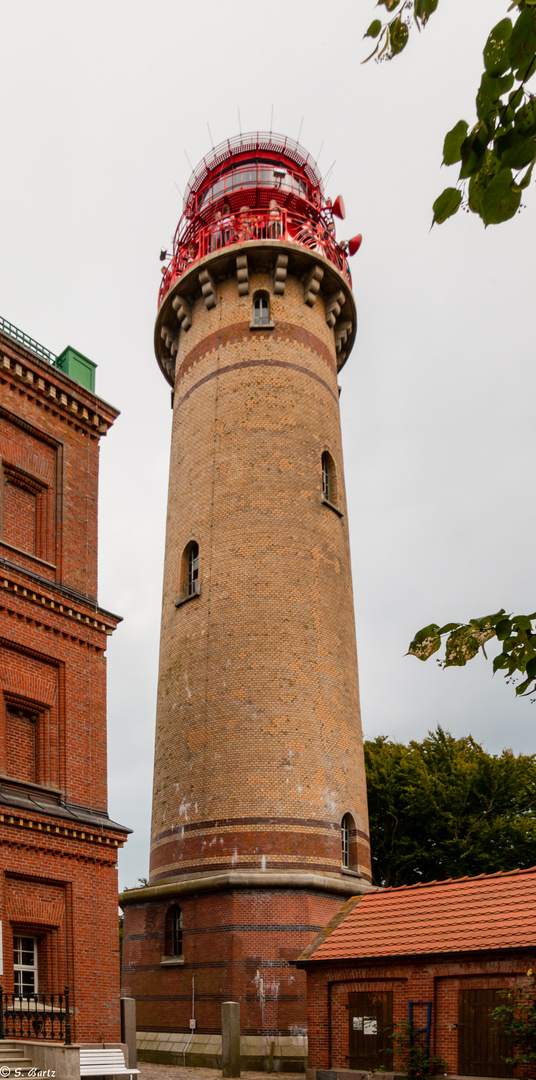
(49, 446)
(238, 946)
(58, 878)
(50, 660)
(64, 892)
(438, 981)
(258, 746)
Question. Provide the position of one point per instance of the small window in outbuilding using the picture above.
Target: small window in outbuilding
(261, 309)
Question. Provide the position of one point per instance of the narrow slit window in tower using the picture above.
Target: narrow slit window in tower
(193, 570)
(176, 932)
(346, 826)
(325, 476)
(329, 479)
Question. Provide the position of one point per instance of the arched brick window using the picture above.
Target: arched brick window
(261, 309)
(329, 479)
(173, 942)
(348, 843)
(190, 570)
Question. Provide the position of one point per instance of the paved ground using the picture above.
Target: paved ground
(176, 1072)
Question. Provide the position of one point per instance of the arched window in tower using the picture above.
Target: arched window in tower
(173, 943)
(348, 843)
(261, 309)
(189, 584)
(192, 582)
(329, 479)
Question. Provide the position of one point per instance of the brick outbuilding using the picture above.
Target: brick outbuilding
(439, 953)
(58, 873)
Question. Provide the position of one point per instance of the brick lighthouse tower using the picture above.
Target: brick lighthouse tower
(259, 828)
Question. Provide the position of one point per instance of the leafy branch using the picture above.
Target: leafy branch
(412, 1054)
(463, 640)
(516, 1019)
(392, 35)
(497, 155)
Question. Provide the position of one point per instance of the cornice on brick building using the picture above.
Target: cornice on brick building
(49, 597)
(60, 394)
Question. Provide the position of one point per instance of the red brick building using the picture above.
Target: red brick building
(439, 953)
(58, 877)
(260, 825)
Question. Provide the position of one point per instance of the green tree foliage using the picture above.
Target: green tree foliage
(516, 1018)
(496, 156)
(445, 808)
(517, 633)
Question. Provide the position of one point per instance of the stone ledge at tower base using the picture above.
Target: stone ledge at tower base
(353, 885)
(259, 1053)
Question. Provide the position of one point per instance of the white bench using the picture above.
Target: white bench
(99, 1062)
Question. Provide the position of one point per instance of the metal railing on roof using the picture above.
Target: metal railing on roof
(28, 342)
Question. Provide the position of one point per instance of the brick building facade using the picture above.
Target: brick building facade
(58, 875)
(439, 954)
(259, 827)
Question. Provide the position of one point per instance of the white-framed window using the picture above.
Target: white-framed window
(192, 587)
(25, 964)
(345, 841)
(261, 309)
(329, 479)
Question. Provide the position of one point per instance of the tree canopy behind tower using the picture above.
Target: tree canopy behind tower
(445, 808)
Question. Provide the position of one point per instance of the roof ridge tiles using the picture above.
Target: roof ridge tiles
(422, 918)
(454, 881)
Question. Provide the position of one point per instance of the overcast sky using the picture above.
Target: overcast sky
(101, 103)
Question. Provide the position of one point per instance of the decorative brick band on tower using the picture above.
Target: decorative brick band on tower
(260, 825)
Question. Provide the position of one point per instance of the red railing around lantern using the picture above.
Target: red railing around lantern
(273, 224)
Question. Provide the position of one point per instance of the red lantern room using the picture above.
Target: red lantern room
(258, 186)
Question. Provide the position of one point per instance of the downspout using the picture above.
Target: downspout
(192, 1021)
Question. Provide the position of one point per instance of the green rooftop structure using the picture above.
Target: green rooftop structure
(77, 366)
(72, 362)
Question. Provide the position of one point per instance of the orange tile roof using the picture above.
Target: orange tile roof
(492, 911)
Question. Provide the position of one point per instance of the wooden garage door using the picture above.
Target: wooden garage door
(371, 1028)
(481, 1050)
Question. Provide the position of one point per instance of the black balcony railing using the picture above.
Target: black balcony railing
(35, 1016)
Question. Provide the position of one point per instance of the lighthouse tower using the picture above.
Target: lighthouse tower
(259, 827)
